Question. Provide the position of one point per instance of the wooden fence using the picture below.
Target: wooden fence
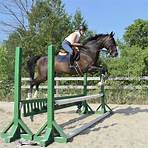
(58, 86)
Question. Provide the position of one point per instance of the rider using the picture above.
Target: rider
(73, 40)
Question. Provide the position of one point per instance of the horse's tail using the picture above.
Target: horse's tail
(31, 65)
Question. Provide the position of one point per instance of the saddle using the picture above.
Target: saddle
(76, 53)
(64, 56)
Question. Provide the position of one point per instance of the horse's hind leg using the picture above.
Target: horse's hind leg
(32, 84)
(37, 82)
(37, 89)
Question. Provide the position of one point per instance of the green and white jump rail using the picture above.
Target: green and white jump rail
(50, 131)
(83, 98)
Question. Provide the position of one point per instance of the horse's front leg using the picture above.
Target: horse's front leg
(101, 69)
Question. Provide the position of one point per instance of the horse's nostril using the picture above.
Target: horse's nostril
(116, 54)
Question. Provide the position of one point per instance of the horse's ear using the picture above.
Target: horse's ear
(112, 34)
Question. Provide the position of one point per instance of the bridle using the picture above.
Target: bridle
(108, 45)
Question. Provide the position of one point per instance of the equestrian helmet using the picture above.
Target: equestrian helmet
(82, 27)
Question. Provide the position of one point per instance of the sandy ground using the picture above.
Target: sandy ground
(126, 128)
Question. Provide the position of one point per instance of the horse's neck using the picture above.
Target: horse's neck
(92, 48)
(96, 58)
(89, 54)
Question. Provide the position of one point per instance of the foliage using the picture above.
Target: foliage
(6, 67)
(131, 63)
(6, 73)
(137, 33)
(48, 23)
(77, 20)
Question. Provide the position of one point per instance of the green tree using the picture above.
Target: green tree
(137, 33)
(6, 73)
(3, 63)
(132, 62)
(47, 23)
(78, 19)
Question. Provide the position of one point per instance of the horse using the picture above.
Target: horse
(88, 56)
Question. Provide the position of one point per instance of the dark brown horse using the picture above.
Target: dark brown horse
(89, 54)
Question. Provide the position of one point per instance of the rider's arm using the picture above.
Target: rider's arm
(74, 43)
(77, 44)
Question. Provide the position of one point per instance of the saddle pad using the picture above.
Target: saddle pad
(62, 58)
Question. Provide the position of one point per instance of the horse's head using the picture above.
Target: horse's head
(99, 41)
(110, 44)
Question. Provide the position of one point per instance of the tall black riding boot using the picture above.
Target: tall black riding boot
(71, 61)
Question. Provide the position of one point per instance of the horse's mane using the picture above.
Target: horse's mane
(95, 37)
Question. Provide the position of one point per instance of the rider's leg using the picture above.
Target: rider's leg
(66, 45)
(71, 60)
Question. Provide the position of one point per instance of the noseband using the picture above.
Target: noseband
(108, 44)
